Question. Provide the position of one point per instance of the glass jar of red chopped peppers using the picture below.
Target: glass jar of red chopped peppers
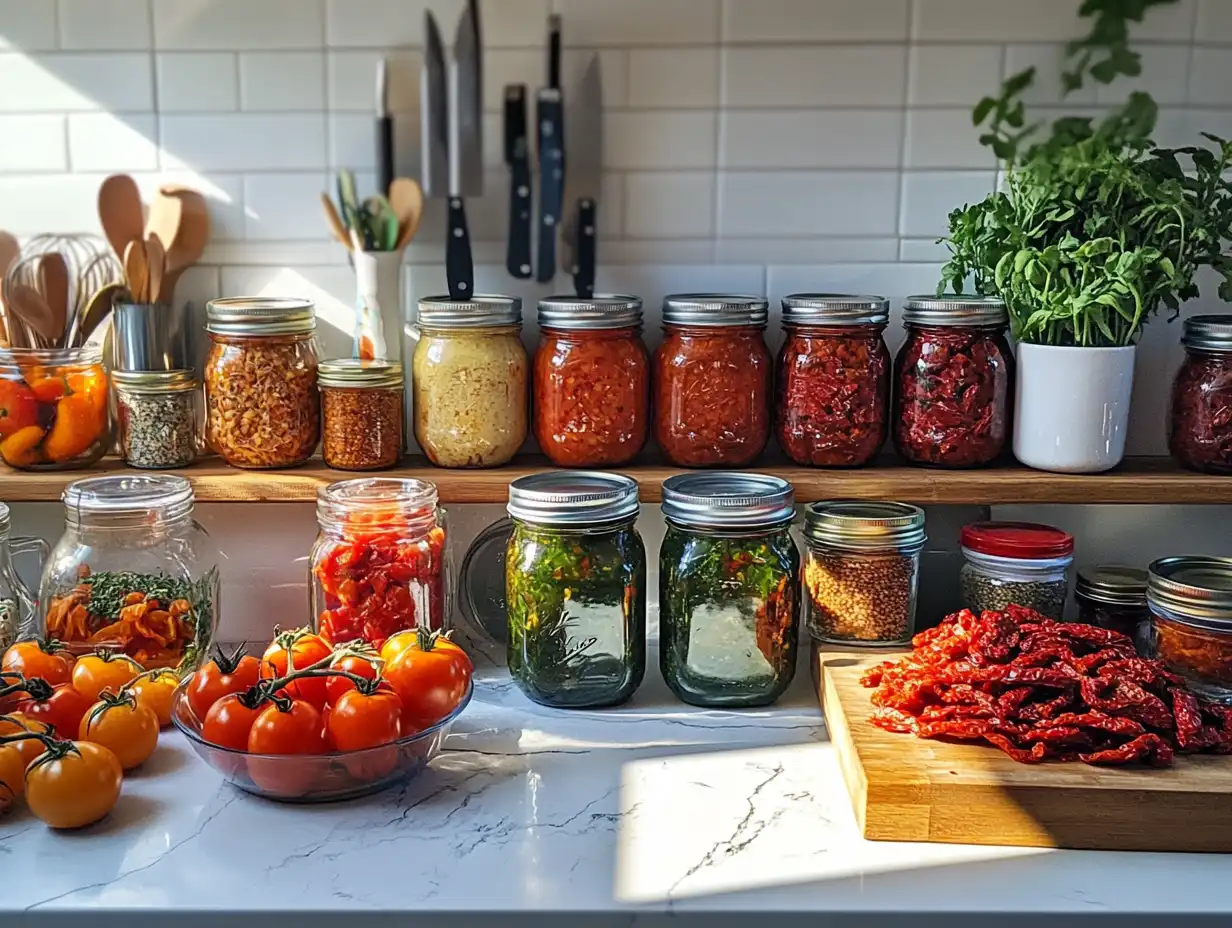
(953, 382)
(833, 404)
(1200, 426)
(712, 380)
(1190, 599)
(379, 562)
(591, 381)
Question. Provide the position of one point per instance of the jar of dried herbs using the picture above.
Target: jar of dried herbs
(159, 414)
(1017, 563)
(575, 589)
(1113, 596)
(361, 411)
(729, 609)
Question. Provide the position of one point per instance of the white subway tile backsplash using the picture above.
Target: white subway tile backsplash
(953, 75)
(352, 141)
(944, 138)
(832, 250)
(922, 249)
(27, 25)
(639, 22)
(197, 82)
(1210, 82)
(929, 196)
(661, 205)
(384, 23)
(996, 20)
(666, 77)
(665, 140)
(1214, 21)
(352, 79)
(226, 25)
(39, 203)
(800, 75)
(815, 20)
(1165, 76)
(244, 142)
(224, 195)
(807, 203)
(121, 24)
(811, 139)
(103, 142)
(274, 81)
(41, 148)
(284, 207)
(75, 82)
(1048, 59)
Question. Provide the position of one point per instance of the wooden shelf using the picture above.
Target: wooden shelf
(1141, 480)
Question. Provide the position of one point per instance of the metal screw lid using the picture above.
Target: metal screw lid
(1113, 584)
(728, 500)
(259, 315)
(835, 309)
(352, 372)
(568, 498)
(599, 312)
(5, 519)
(852, 523)
(154, 382)
(1196, 587)
(480, 311)
(1208, 333)
(961, 309)
(715, 309)
(163, 495)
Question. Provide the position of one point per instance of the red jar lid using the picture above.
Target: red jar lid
(1025, 540)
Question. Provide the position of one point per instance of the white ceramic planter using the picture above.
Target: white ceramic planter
(1071, 407)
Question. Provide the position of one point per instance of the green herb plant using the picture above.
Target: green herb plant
(1095, 227)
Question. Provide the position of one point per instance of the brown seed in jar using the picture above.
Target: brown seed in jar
(363, 427)
(860, 598)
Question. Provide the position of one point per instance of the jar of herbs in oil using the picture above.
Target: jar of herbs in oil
(159, 415)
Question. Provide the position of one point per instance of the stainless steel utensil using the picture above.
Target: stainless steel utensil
(517, 156)
(434, 112)
(550, 118)
(465, 149)
(384, 131)
(151, 337)
(585, 144)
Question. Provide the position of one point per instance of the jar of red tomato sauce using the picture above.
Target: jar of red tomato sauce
(1200, 426)
(712, 380)
(833, 399)
(379, 564)
(592, 381)
(953, 382)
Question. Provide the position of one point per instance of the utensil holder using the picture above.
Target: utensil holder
(150, 337)
(378, 302)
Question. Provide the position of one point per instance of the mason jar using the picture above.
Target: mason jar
(1113, 596)
(1190, 599)
(55, 408)
(133, 572)
(18, 604)
(469, 379)
(361, 413)
(379, 564)
(728, 578)
(1200, 419)
(1015, 563)
(575, 589)
(158, 414)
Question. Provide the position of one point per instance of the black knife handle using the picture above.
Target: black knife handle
(584, 251)
(551, 117)
(517, 256)
(459, 265)
(384, 154)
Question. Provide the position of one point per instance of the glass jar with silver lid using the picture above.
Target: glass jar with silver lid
(861, 572)
(575, 588)
(728, 588)
(1190, 599)
(469, 380)
(158, 414)
(1199, 429)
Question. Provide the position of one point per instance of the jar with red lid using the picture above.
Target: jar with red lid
(712, 380)
(1015, 562)
(833, 398)
(953, 382)
(1200, 424)
(591, 381)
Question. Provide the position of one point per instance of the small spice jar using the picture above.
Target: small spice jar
(953, 382)
(1190, 599)
(833, 406)
(1017, 563)
(712, 380)
(1200, 423)
(1113, 597)
(361, 412)
(862, 571)
(159, 415)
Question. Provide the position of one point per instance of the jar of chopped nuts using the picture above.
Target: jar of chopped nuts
(862, 571)
(262, 405)
(361, 408)
(158, 414)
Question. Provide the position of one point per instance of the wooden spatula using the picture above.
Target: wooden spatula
(119, 210)
(191, 236)
(335, 221)
(54, 284)
(28, 305)
(155, 268)
(136, 273)
(407, 201)
(164, 219)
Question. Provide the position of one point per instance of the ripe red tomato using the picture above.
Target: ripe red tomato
(229, 721)
(296, 729)
(224, 675)
(361, 720)
(351, 663)
(35, 658)
(63, 711)
(18, 407)
(295, 651)
(431, 677)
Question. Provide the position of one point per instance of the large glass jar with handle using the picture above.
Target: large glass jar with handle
(18, 604)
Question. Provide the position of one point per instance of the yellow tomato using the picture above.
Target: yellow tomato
(12, 776)
(398, 642)
(103, 671)
(128, 730)
(156, 691)
(74, 785)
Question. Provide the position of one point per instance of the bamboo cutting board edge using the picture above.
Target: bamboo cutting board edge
(907, 789)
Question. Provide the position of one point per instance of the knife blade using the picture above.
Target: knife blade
(517, 156)
(434, 112)
(550, 118)
(585, 144)
(384, 131)
(465, 149)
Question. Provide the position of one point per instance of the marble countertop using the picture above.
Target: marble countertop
(655, 811)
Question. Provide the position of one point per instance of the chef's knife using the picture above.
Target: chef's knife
(517, 156)
(585, 144)
(550, 117)
(465, 149)
(434, 113)
(384, 131)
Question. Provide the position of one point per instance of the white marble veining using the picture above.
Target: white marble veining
(652, 810)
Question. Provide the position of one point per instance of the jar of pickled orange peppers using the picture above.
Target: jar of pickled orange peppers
(53, 408)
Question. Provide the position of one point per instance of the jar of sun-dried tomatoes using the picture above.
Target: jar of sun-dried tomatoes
(592, 381)
(712, 380)
(833, 404)
(953, 381)
(1200, 426)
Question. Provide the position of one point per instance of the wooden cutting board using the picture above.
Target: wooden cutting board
(908, 789)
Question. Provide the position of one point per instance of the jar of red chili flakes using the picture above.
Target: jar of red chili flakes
(379, 562)
(1200, 426)
(712, 380)
(1190, 599)
(953, 382)
(833, 379)
(591, 381)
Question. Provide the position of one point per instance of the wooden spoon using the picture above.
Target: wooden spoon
(136, 272)
(155, 267)
(335, 221)
(53, 282)
(407, 201)
(96, 310)
(191, 236)
(119, 209)
(164, 219)
(10, 250)
(28, 305)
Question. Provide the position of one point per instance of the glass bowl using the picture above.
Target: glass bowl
(317, 777)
